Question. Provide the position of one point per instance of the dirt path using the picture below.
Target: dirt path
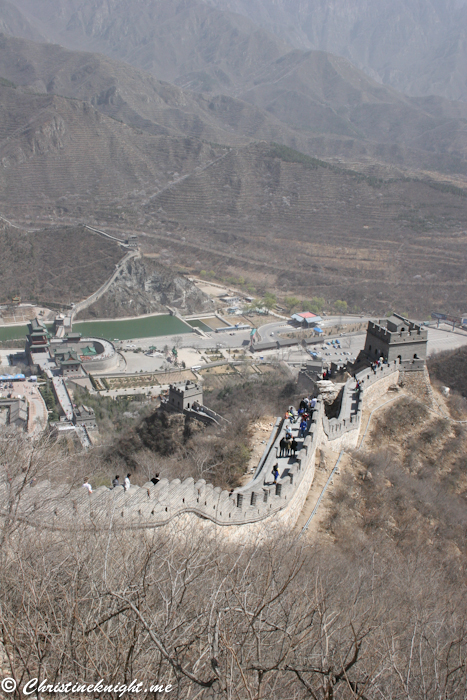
(324, 466)
(325, 462)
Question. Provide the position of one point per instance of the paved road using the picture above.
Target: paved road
(440, 340)
(63, 398)
(269, 331)
(38, 415)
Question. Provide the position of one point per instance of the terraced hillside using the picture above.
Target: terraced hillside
(317, 230)
(312, 101)
(130, 95)
(61, 157)
(61, 265)
(198, 173)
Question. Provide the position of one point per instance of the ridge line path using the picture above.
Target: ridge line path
(198, 169)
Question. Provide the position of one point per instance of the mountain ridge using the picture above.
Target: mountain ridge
(312, 101)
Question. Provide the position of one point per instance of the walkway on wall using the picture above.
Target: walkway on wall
(261, 500)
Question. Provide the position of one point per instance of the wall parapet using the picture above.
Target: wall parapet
(349, 418)
(151, 506)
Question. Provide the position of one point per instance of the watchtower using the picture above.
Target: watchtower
(396, 338)
(182, 396)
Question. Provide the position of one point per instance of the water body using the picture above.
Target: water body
(147, 327)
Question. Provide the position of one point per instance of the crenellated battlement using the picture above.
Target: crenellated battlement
(150, 506)
(415, 334)
(396, 338)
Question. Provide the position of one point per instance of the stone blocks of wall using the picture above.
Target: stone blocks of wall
(253, 509)
(152, 506)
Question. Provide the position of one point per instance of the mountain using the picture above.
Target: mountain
(285, 221)
(59, 264)
(417, 46)
(318, 92)
(182, 41)
(312, 101)
(14, 23)
(277, 217)
(87, 138)
(62, 157)
(125, 93)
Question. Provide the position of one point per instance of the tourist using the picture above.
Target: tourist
(313, 403)
(115, 482)
(155, 479)
(303, 427)
(275, 472)
(126, 482)
(87, 485)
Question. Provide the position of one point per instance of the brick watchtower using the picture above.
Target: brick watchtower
(396, 338)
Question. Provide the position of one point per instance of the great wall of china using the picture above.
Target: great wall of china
(243, 513)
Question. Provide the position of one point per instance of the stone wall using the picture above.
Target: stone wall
(253, 508)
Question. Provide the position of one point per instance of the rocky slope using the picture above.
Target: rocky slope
(145, 286)
(283, 220)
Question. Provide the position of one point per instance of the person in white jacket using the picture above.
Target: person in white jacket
(87, 485)
(126, 482)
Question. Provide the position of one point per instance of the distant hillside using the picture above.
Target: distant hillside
(320, 93)
(13, 22)
(183, 41)
(312, 101)
(291, 222)
(61, 264)
(417, 47)
(63, 158)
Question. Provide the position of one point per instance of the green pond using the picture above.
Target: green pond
(148, 327)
